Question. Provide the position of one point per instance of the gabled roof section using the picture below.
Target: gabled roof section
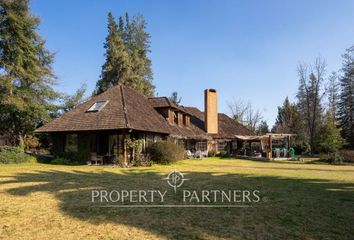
(165, 102)
(162, 102)
(125, 109)
(228, 127)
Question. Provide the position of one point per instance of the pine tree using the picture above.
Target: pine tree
(332, 94)
(137, 42)
(127, 46)
(26, 93)
(287, 120)
(330, 140)
(262, 128)
(346, 100)
(117, 68)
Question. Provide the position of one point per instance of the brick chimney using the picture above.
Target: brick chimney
(211, 111)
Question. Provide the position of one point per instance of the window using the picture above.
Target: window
(71, 143)
(186, 120)
(222, 146)
(175, 117)
(97, 106)
(234, 144)
(202, 145)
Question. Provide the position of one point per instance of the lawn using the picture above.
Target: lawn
(298, 201)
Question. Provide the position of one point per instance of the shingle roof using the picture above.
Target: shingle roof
(165, 102)
(126, 109)
(228, 127)
(160, 102)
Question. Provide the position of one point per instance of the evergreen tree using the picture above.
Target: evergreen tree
(330, 140)
(332, 94)
(174, 98)
(127, 46)
(137, 42)
(346, 100)
(262, 128)
(117, 68)
(288, 121)
(26, 93)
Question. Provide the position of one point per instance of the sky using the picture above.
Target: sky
(247, 50)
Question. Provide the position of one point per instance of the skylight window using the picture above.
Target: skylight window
(97, 106)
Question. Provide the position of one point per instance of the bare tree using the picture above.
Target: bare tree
(310, 95)
(244, 113)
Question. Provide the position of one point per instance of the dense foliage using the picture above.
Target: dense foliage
(26, 93)
(166, 152)
(346, 99)
(127, 46)
(9, 154)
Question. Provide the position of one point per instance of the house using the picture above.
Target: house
(100, 125)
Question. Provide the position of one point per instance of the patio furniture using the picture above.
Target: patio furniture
(96, 158)
(188, 154)
(285, 153)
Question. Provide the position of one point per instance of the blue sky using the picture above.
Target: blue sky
(247, 50)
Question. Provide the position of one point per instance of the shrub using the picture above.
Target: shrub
(15, 157)
(10, 149)
(31, 142)
(224, 154)
(63, 161)
(166, 152)
(141, 160)
(347, 155)
(331, 157)
(212, 153)
(74, 157)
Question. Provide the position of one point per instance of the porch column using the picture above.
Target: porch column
(289, 141)
(125, 160)
(270, 155)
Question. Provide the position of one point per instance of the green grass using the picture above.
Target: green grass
(299, 201)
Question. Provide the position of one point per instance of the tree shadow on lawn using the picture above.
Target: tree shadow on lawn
(295, 164)
(289, 209)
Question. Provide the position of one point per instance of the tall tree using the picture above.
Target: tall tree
(289, 121)
(333, 95)
(127, 62)
(262, 128)
(26, 93)
(137, 42)
(346, 100)
(174, 98)
(310, 96)
(330, 140)
(117, 67)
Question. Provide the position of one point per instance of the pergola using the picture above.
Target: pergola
(269, 137)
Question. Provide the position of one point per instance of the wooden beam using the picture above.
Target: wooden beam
(125, 161)
(270, 155)
(289, 145)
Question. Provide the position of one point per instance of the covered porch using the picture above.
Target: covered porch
(100, 147)
(268, 146)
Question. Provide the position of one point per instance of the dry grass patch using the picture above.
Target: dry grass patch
(304, 201)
